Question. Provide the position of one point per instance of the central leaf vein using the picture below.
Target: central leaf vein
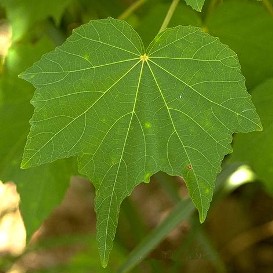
(120, 160)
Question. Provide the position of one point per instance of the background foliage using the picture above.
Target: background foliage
(245, 25)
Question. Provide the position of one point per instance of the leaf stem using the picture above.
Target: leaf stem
(268, 6)
(211, 7)
(131, 9)
(181, 212)
(169, 15)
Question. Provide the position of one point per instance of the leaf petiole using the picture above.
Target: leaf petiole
(268, 6)
(169, 15)
(131, 9)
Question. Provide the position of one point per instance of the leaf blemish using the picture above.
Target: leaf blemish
(148, 125)
(147, 177)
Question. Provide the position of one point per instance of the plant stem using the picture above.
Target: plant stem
(268, 6)
(131, 9)
(211, 7)
(181, 212)
(169, 15)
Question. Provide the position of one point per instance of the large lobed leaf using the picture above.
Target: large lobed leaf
(128, 112)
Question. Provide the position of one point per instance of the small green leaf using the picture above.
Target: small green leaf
(256, 149)
(196, 4)
(128, 112)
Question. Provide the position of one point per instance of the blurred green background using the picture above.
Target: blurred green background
(238, 234)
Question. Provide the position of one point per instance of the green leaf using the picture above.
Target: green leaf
(128, 112)
(42, 188)
(196, 4)
(256, 148)
(247, 27)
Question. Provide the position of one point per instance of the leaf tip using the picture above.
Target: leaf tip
(202, 218)
(26, 76)
(104, 263)
(202, 215)
(21, 75)
(196, 6)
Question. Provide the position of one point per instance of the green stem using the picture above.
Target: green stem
(181, 212)
(211, 7)
(169, 15)
(131, 9)
(268, 6)
(211, 252)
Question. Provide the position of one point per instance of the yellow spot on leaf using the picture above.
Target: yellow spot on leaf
(86, 56)
(147, 177)
(114, 160)
(148, 125)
